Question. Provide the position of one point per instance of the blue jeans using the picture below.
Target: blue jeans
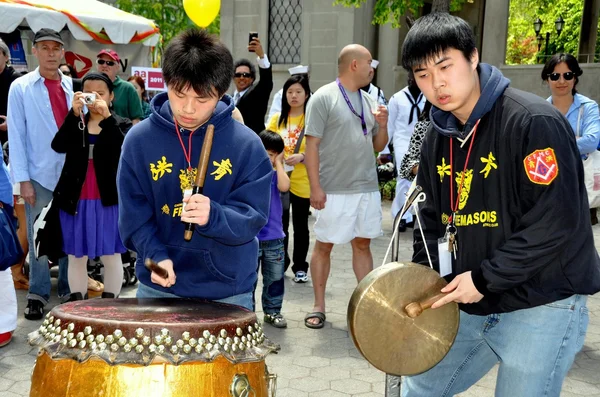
(39, 273)
(535, 348)
(272, 256)
(244, 300)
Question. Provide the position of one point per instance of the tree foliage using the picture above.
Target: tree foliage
(392, 10)
(522, 44)
(169, 15)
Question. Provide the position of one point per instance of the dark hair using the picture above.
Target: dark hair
(245, 62)
(301, 79)
(71, 69)
(571, 62)
(198, 60)
(272, 141)
(140, 81)
(97, 76)
(434, 34)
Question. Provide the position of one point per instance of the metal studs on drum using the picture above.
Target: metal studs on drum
(88, 330)
(64, 342)
(71, 327)
(239, 331)
(127, 348)
(185, 336)
(114, 347)
(206, 334)
(202, 342)
(109, 339)
(139, 333)
(79, 336)
(133, 342)
(139, 349)
(212, 339)
(223, 333)
(164, 332)
(158, 340)
(82, 344)
(209, 347)
(193, 342)
(70, 336)
(161, 349)
(146, 340)
(99, 338)
(72, 343)
(122, 341)
(174, 349)
(102, 346)
(198, 348)
(118, 333)
(168, 341)
(179, 343)
(187, 349)
(152, 348)
(89, 339)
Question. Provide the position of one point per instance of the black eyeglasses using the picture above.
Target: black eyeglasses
(102, 62)
(567, 76)
(246, 75)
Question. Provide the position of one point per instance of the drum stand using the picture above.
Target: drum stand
(393, 383)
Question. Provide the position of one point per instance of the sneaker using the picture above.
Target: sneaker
(276, 320)
(5, 338)
(34, 310)
(300, 277)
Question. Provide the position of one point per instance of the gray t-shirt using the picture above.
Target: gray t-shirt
(347, 158)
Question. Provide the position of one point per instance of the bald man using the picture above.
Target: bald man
(343, 129)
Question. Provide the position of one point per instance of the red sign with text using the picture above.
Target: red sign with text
(153, 78)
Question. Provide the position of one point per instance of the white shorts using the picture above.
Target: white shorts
(347, 216)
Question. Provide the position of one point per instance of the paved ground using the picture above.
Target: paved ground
(322, 363)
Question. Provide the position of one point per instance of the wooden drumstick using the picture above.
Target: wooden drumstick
(153, 267)
(200, 175)
(415, 309)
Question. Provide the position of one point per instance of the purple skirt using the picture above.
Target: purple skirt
(93, 231)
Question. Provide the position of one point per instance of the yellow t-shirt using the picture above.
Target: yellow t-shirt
(299, 179)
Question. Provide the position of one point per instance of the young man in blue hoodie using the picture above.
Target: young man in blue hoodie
(502, 174)
(158, 164)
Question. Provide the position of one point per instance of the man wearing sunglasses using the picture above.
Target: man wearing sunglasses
(126, 103)
(252, 99)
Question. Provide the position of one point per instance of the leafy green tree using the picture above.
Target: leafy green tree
(169, 15)
(392, 10)
(522, 44)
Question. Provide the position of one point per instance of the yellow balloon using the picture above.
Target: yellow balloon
(202, 12)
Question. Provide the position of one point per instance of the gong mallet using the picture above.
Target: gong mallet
(200, 175)
(153, 267)
(415, 309)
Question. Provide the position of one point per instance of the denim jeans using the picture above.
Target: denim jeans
(39, 273)
(244, 300)
(271, 261)
(535, 348)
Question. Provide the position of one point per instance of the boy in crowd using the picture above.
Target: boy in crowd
(270, 239)
(157, 167)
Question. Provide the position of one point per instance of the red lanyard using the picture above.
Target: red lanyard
(454, 205)
(186, 153)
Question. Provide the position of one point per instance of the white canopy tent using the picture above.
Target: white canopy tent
(83, 18)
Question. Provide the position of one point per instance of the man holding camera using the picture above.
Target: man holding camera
(126, 103)
(37, 106)
(252, 99)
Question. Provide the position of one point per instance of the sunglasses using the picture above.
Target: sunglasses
(102, 62)
(567, 76)
(246, 75)
(66, 73)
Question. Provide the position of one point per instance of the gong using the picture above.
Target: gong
(390, 321)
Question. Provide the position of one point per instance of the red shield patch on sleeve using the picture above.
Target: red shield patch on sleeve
(541, 166)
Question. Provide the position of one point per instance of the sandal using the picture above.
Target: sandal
(317, 315)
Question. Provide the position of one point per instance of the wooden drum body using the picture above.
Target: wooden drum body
(151, 347)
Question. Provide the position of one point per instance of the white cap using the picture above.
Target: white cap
(298, 70)
(374, 63)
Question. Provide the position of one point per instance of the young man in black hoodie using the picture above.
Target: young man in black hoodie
(504, 179)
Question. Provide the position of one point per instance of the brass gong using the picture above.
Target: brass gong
(384, 333)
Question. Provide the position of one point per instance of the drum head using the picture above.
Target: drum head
(382, 331)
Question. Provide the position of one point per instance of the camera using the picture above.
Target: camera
(89, 99)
